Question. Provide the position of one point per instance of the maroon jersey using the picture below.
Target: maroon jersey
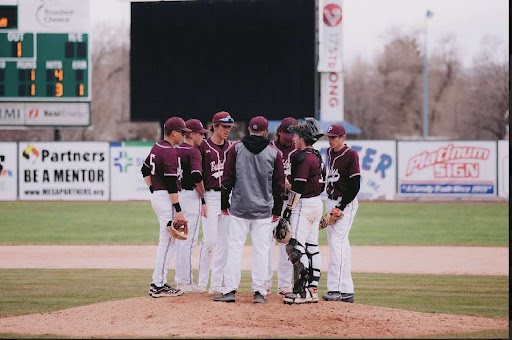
(286, 152)
(342, 165)
(162, 161)
(189, 162)
(213, 163)
(306, 168)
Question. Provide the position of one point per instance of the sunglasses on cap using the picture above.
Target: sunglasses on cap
(228, 120)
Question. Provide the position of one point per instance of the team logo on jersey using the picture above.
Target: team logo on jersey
(30, 152)
(123, 162)
(287, 165)
(217, 169)
(333, 175)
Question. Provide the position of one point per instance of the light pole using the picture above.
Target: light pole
(425, 79)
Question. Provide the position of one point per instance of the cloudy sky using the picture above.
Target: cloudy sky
(367, 23)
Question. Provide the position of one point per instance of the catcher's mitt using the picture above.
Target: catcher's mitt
(330, 218)
(283, 231)
(178, 230)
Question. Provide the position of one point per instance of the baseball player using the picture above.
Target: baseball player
(342, 187)
(191, 201)
(284, 143)
(160, 172)
(254, 174)
(304, 211)
(215, 225)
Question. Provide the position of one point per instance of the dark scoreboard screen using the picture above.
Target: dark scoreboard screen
(194, 58)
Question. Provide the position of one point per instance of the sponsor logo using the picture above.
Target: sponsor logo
(442, 161)
(4, 172)
(54, 13)
(10, 113)
(332, 15)
(30, 152)
(123, 162)
(34, 113)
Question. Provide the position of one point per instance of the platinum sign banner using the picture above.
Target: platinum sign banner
(456, 168)
(64, 171)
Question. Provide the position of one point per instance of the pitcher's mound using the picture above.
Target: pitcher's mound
(199, 316)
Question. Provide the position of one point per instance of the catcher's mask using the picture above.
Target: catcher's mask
(307, 128)
(283, 231)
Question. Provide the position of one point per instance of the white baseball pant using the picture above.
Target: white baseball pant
(190, 202)
(260, 230)
(339, 276)
(284, 266)
(214, 243)
(304, 223)
(162, 205)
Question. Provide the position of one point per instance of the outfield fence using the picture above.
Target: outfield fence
(389, 170)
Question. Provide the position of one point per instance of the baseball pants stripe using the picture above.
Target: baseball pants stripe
(339, 275)
(161, 203)
(190, 202)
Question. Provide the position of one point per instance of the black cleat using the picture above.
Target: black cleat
(338, 296)
(258, 298)
(228, 297)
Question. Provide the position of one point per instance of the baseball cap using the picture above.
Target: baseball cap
(177, 124)
(195, 126)
(223, 118)
(283, 128)
(259, 123)
(335, 130)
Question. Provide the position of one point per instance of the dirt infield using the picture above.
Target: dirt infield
(198, 316)
(365, 259)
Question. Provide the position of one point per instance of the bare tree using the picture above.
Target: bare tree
(488, 101)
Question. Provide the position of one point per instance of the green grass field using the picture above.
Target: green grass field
(45, 290)
(468, 224)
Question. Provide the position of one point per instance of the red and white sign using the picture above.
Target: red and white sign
(331, 97)
(447, 168)
(330, 25)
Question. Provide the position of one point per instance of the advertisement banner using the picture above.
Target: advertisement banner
(53, 16)
(331, 97)
(64, 170)
(447, 168)
(45, 114)
(377, 162)
(12, 114)
(503, 169)
(329, 36)
(8, 172)
(126, 160)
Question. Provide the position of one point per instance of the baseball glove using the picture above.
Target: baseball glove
(283, 231)
(178, 230)
(330, 218)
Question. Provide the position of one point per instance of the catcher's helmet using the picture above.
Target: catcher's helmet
(283, 231)
(307, 128)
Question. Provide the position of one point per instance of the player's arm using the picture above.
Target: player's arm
(353, 183)
(278, 179)
(298, 183)
(146, 174)
(171, 183)
(228, 177)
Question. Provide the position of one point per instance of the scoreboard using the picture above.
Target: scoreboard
(44, 63)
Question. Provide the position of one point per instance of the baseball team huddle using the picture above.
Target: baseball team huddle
(268, 188)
